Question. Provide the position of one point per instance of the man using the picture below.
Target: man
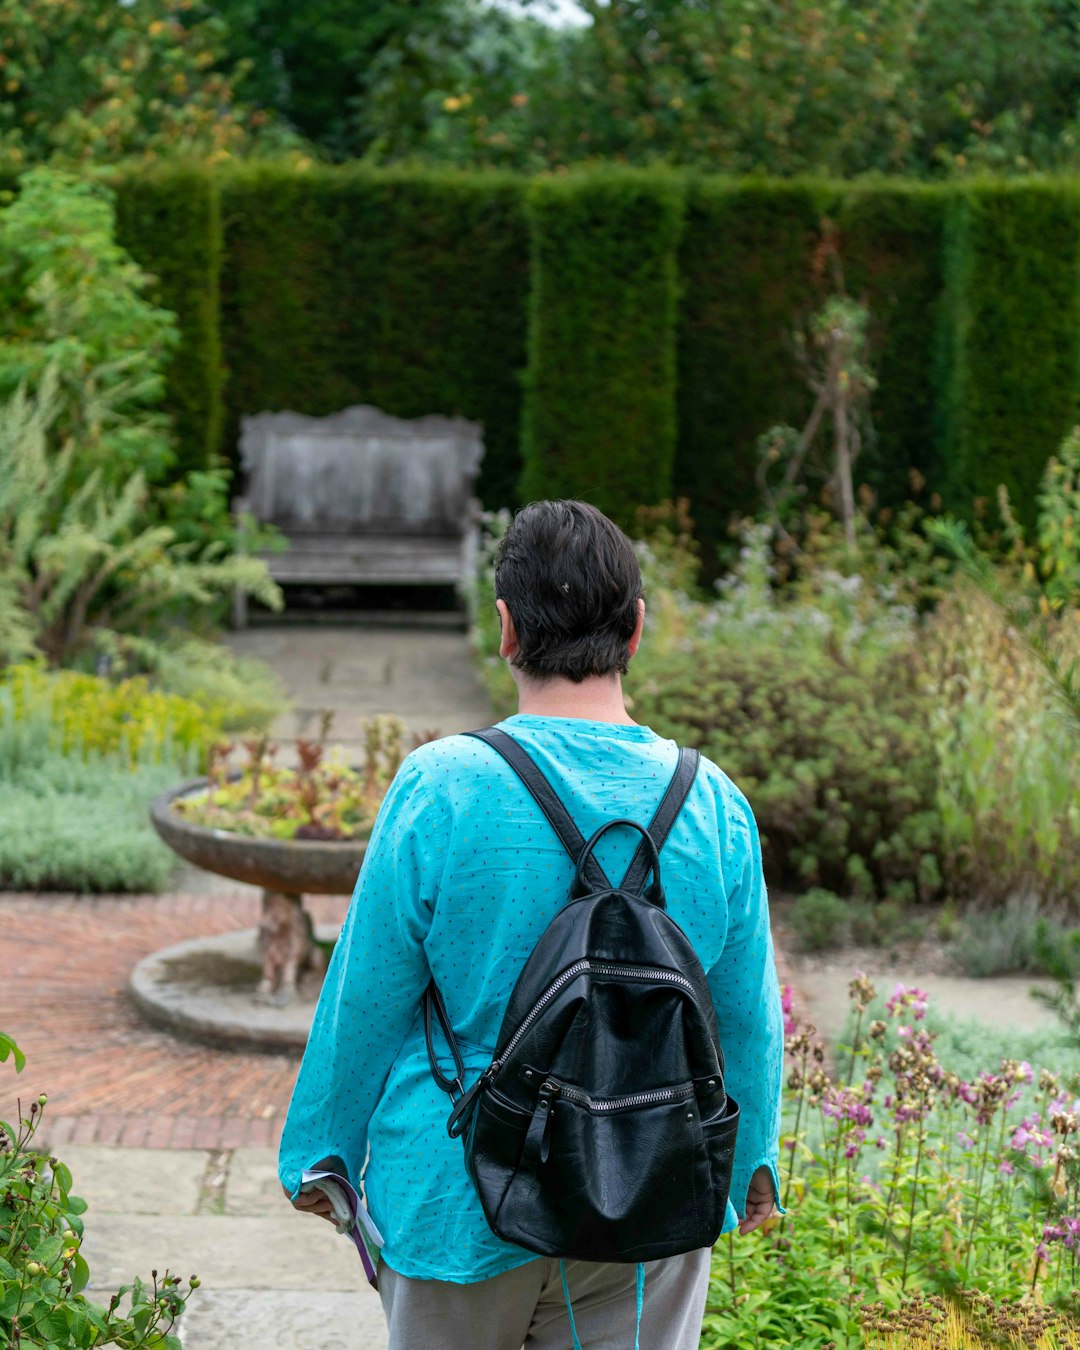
(461, 877)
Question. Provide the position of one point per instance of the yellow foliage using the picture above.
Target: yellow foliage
(93, 715)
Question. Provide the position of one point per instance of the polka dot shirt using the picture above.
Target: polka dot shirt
(461, 876)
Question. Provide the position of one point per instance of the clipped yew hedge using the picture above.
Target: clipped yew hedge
(600, 410)
(745, 273)
(169, 219)
(407, 291)
(1011, 335)
(623, 335)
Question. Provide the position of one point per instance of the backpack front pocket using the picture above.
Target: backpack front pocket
(600, 1180)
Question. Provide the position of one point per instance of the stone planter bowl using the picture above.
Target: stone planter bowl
(296, 866)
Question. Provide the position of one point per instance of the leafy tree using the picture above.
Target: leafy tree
(389, 79)
(96, 81)
(926, 87)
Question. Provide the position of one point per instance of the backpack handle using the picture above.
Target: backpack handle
(653, 893)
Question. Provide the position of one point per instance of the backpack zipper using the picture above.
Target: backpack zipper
(642, 973)
(571, 973)
(657, 1095)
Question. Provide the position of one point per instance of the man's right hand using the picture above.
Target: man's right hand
(760, 1201)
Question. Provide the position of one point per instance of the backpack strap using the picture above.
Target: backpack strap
(660, 826)
(546, 798)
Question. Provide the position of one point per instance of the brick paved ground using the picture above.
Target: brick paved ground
(111, 1078)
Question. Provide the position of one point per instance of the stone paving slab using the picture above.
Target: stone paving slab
(252, 1185)
(137, 1180)
(294, 1251)
(245, 1319)
(425, 676)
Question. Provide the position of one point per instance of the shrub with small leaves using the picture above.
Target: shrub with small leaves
(831, 749)
(820, 920)
(42, 1269)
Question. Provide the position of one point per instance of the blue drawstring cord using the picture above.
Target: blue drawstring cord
(640, 1299)
(569, 1308)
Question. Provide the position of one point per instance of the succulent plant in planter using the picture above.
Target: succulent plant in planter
(320, 798)
(289, 830)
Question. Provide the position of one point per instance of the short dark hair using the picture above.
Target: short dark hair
(571, 581)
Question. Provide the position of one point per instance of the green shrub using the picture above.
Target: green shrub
(71, 826)
(885, 924)
(820, 920)
(75, 816)
(832, 751)
(1014, 940)
(74, 313)
(43, 1272)
(1008, 762)
(83, 571)
(235, 693)
(599, 418)
(80, 714)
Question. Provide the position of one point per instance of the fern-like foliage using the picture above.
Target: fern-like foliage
(81, 570)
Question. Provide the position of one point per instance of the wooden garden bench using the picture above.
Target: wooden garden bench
(363, 498)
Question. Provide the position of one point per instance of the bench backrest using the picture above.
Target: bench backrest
(361, 471)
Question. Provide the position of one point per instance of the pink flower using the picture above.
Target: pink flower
(787, 1003)
(917, 1000)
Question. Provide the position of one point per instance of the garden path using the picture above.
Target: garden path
(425, 675)
(1003, 1002)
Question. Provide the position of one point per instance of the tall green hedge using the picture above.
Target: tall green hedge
(891, 242)
(170, 221)
(622, 335)
(407, 291)
(600, 412)
(1011, 344)
(745, 266)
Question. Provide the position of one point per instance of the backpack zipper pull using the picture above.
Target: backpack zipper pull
(538, 1140)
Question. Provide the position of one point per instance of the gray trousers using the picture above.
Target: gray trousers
(526, 1307)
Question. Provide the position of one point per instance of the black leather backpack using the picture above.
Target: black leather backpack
(601, 1130)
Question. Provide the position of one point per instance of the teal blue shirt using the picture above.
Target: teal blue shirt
(461, 877)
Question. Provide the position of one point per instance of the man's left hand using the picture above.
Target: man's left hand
(313, 1202)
